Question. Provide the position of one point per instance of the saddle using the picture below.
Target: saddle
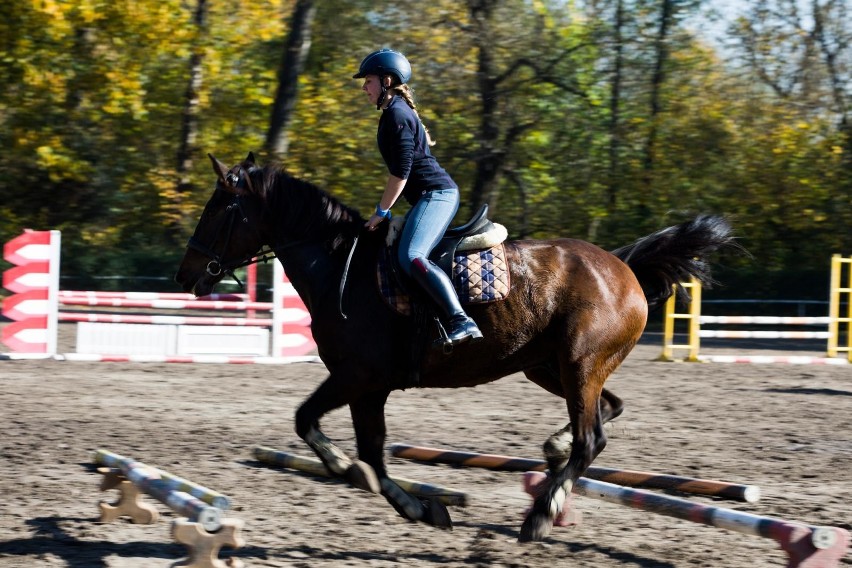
(472, 255)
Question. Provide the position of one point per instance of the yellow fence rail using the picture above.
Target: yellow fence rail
(840, 287)
(692, 315)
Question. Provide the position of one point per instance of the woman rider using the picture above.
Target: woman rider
(414, 173)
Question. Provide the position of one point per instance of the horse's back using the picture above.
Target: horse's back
(573, 275)
(568, 299)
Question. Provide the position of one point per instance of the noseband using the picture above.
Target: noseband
(234, 212)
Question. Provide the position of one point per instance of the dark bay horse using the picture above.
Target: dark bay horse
(573, 314)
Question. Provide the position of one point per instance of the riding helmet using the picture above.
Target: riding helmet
(385, 62)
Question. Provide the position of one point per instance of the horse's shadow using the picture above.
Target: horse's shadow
(50, 538)
(810, 390)
(627, 558)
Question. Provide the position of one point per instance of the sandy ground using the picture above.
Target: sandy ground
(785, 428)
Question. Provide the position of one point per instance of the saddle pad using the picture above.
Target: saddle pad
(479, 276)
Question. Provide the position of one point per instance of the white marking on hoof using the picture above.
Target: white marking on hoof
(337, 461)
(557, 502)
(412, 508)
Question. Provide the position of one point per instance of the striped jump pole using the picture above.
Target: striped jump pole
(165, 489)
(807, 546)
(89, 294)
(167, 304)
(316, 467)
(630, 478)
(163, 320)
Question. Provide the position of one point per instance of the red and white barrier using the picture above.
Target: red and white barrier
(35, 281)
(34, 309)
(290, 319)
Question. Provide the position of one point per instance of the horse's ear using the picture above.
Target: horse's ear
(250, 158)
(219, 168)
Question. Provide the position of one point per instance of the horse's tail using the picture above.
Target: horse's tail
(675, 254)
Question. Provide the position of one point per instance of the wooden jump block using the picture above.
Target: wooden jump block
(204, 546)
(204, 532)
(806, 546)
(129, 503)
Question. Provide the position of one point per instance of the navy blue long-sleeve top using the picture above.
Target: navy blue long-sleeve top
(403, 145)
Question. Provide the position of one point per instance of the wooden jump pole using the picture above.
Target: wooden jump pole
(630, 478)
(316, 467)
(204, 532)
(806, 546)
(150, 481)
(209, 496)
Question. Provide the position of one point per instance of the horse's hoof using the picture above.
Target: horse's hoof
(536, 527)
(363, 476)
(436, 514)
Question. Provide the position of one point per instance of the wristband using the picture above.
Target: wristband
(383, 213)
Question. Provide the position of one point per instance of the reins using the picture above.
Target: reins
(344, 275)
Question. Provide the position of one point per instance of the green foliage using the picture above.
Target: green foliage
(92, 94)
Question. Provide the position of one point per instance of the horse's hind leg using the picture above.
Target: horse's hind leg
(557, 447)
(328, 396)
(368, 419)
(583, 383)
(611, 406)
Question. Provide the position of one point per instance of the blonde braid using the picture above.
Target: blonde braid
(408, 96)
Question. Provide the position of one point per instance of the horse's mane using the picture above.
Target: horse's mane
(311, 211)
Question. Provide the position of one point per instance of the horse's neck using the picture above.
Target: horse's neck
(313, 270)
(306, 244)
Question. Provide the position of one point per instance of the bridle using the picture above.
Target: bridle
(234, 213)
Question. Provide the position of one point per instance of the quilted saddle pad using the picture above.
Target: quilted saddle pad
(479, 276)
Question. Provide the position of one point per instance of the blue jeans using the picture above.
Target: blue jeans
(425, 224)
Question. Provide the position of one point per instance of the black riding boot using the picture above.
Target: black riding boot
(460, 327)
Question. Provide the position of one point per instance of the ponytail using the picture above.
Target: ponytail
(408, 96)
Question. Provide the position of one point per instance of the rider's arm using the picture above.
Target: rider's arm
(393, 189)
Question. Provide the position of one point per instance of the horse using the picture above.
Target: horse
(573, 314)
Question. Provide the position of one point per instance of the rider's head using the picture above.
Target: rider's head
(391, 69)
(385, 62)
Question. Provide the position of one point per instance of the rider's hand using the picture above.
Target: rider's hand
(374, 222)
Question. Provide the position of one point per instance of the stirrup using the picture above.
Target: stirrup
(443, 343)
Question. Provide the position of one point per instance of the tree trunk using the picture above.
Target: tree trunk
(296, 51)
(489, 155)
(189, 116)
(661, 57)
(615, 109)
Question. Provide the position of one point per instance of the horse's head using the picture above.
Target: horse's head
(228, 234)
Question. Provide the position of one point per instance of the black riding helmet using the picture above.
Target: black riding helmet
(385, 62)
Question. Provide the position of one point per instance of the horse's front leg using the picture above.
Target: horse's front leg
(329, 395)
(368, 419)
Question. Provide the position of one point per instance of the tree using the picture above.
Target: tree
(189, 118)
(296, 52)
